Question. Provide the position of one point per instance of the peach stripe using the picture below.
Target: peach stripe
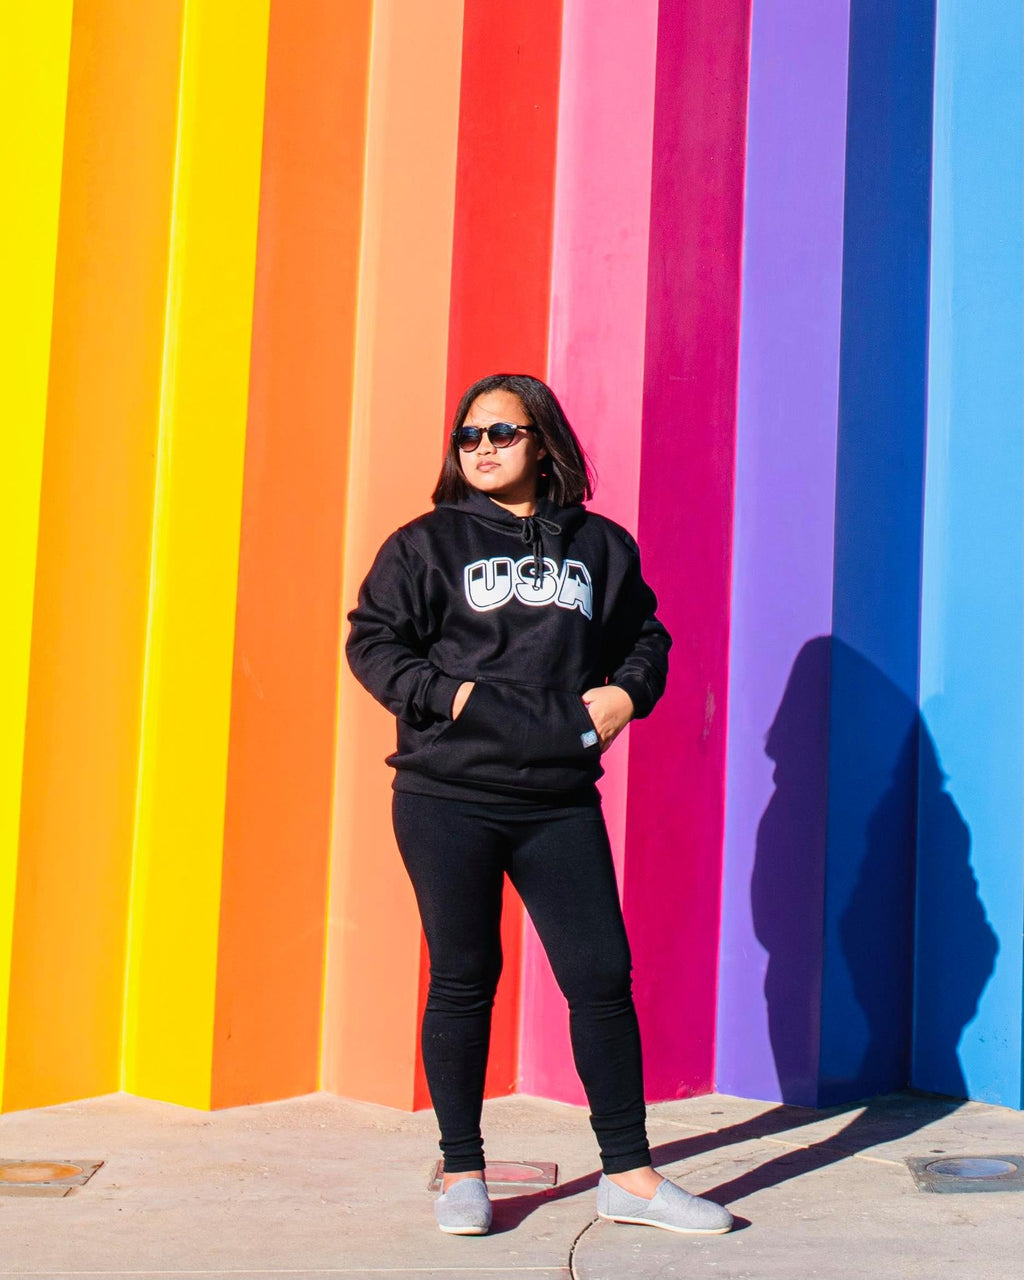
(374, 939)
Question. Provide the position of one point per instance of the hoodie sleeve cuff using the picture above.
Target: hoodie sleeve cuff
(442, 694)
(641, 699)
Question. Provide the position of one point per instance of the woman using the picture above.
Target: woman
(512, 634)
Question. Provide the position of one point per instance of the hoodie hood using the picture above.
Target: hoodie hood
(548, 518)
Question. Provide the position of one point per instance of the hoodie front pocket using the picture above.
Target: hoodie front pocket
(520, 737)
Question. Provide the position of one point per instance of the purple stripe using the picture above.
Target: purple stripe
(785, 489)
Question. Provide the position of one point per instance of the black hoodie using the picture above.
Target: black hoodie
(533, 609)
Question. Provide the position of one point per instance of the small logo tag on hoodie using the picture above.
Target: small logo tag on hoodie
(589, 738)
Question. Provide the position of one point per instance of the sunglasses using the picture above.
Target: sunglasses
(500, 434)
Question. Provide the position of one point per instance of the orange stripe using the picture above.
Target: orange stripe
(94, 541)
(280, 770)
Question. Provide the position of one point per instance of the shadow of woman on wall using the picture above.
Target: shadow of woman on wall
(860, 827)
(864, 898)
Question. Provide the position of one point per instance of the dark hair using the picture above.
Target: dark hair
(566, 475)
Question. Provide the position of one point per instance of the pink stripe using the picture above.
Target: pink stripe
(598, 303)
(676, 784)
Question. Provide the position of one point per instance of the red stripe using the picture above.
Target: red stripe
(504, 195)
(501, 275)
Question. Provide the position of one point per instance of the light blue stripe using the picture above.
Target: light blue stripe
(972, 644)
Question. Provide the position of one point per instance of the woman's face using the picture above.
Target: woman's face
(510, 474)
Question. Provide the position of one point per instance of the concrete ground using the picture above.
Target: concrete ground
(320, 1187)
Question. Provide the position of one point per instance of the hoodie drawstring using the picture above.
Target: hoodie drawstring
(529, 530)
(531, 536)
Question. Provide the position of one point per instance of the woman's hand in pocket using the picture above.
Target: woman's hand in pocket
(461, 694)
(611, 709)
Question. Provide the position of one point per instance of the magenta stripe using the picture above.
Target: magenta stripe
(674, 829)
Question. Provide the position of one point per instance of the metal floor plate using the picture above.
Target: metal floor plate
(509, 1176)
(955, 1174)
(44, 1177)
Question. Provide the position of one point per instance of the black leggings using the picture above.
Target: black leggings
(559, 859)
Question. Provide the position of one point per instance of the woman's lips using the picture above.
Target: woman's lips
(487, 466)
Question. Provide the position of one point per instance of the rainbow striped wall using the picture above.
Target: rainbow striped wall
(768, 253)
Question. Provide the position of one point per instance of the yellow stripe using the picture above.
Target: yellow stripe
(175, 897)
(35, 40)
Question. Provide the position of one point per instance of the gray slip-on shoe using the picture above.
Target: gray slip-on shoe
(671, 1208)
(464, 1209)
